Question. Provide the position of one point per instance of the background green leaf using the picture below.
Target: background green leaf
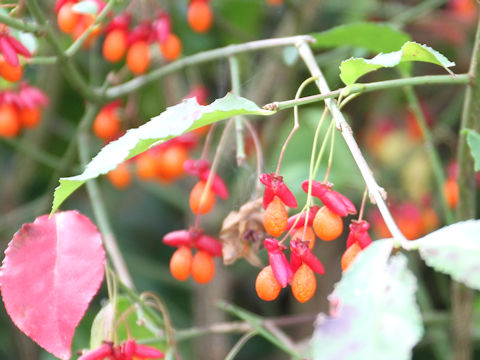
(375, 312)
(354, 68)
(85, 7)
(174, 121)
(454, 250)
(371, 36)
(473, 140)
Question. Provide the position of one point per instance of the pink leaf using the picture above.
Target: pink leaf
(52, 269)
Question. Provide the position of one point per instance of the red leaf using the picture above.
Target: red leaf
(52, 269)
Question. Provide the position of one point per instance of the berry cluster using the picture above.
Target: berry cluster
(128, 350)
(21, 109)
(183, 263)
(325, 223)
(11, 48)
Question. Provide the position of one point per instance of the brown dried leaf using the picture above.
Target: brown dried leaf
(242, 234)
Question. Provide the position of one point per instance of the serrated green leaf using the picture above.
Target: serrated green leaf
(376, 315)
(354, 68)
(174, 121)
(129, 322)
(454, 250)
(371, 36)
(473, 140)
(85, 7)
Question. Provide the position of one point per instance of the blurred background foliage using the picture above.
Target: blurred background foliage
(145, 211)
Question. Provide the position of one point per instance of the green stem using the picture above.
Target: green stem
(101, 214)
(77, 44)
(20, 24)
(466, 208)
(235, 79)
(375, 190)
(240, 343)
(70, 70)
(205, 56)
(432, 153)
(34, 152)
(461, 79)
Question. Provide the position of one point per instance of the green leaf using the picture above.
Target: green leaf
(353, 68)
(129, 322)
(85, 7)
(473, 140)
(375, 314)
(174, 121)
(454, 250)
(374, 37)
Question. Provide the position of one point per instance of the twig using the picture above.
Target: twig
(205, 56)
(374, 189)
(240, 343)
(101, 214)
(235, 80)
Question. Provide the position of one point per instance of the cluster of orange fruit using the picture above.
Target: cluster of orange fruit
(326, 223)
(21, 109)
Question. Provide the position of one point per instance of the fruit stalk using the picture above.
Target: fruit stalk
(375, 190)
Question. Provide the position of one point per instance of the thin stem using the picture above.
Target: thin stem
(101, 214)
(205, 56)
(240, 343)
(71, 72)
(466, 208)
(77, 44)
(208, 140)
(236, 89)
(296, 124)
(330, 157)
(362, 206)
(259, 152)
(20, 24)
(322, 149)
(374, 189)
(432, 153)
(460, 79)
(34, 152)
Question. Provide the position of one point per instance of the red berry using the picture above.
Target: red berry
(67, 19)
(266, 286)
(171, 48)
(120, 177)
(10, 72)
(106, 125)
(115, 45)
(9, 121)
(29, 117)
(203, 267)
(138, 57)
(181, 263)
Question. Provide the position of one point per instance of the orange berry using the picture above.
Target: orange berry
(429, 220)
(67, 19)
(203, 130)
(201, 198)
(115, 45)
(138, 57)
(349, 255)
(450, 190)
(10, 72)
(275, 2)
(120, 177)
(410, 227)
(181, 263)
(275, 218)
(29, 117)
(203, 267)
(304, 283)
(106, 125)
(307, 235)
(170, 162)
(171, 48)
(327, 225)
(9, 121)
(266, 286)
(199, 16)
(146, 166)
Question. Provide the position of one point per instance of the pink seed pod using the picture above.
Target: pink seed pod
(178, 238)
(209, 244)
(274, 186)
(301, 249)
(147, 352)
(359, 234)
(333, 200)
(280, 265)
(98, 354)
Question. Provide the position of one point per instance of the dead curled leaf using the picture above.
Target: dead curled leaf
(242, 234)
